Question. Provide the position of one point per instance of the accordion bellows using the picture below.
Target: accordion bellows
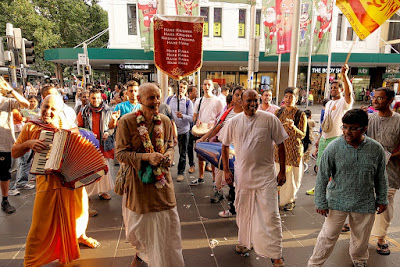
(73, 158)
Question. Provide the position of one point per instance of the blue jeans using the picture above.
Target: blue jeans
(24, 166)
(190, 149)
(183, 140)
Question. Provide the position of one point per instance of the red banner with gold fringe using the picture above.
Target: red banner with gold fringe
(178, 46)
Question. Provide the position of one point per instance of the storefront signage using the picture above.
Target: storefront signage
(178, 44)
(363, 71)
(324, 70)
(243, 68)
(390, 75)
(134, 66)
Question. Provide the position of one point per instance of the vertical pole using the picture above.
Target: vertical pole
(328, 70)
(161, 9)
(313, 22)
(199, 86)
(278, 78)
(294, 45)
(87, 77)
(250, 72)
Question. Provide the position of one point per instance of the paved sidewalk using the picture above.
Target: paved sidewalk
(200, 226)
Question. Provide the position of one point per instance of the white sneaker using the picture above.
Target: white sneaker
(225, 214)
(27, 186)
(180, 178)
(13, 192)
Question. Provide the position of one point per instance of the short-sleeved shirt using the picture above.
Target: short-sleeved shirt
(209, 109)
(271, 108)
(6, 123)
(127, 107)
(386, 131)
(253, 138)
(336, 109)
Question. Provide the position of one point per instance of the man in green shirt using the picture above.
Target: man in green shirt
(351, 182)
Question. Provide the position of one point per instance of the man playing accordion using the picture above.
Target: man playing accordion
(60, 215)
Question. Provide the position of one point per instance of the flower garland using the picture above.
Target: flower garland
(159, 171)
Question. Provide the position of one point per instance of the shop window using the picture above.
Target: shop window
(394, 31)
(205, 12)
(339, 27)
(132, 18)
(242, 23)
(258, 21)
(217, 22)
(350, 33)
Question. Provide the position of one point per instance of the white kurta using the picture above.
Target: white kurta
(155, 235)
(103, 185)
(256, 201)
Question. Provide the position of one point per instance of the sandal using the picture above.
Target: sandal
(89, 242)
(346, 228)
(137, 262)
(278, 264)
(383, 249)
(105, 196)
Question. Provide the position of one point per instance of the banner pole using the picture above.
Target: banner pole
(328, 69)
(278, 79)
(294, 45)
(163, 77)
(310, 54)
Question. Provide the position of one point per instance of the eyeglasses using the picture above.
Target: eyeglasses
(351, 129)
(379, 98)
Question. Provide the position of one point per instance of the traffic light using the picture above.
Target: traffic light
(28, 52)
(88, 70)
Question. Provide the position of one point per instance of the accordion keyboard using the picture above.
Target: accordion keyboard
(40, 158)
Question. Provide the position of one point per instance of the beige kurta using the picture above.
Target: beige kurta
(150, 215)
(143, 198)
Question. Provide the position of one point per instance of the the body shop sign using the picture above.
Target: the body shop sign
(178, 44)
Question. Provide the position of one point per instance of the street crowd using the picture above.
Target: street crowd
(357, 151)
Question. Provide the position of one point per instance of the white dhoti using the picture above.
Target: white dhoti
(156, 236)
(259, 221)
(105, 184)
(294, 175)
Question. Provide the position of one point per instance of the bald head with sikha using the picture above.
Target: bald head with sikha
(149, 97)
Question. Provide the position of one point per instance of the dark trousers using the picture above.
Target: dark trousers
(183, 140)
(192, 140)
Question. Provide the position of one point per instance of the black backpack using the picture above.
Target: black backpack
(306, 140)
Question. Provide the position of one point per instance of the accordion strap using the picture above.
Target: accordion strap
(44, 125)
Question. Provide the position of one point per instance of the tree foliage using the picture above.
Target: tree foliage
(55, 23)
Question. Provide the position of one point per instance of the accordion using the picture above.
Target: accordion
(71, 157)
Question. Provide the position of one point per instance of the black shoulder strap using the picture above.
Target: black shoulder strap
(280, 111)
(198, 109)
(297, 117)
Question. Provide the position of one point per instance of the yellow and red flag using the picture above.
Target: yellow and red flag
(365, 16)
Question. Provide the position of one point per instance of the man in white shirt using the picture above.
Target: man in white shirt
(206, 110)
(253, 134)
(334, 111)
(266, 104)
(223, 94)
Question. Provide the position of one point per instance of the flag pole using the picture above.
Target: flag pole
(328, 69)
(163, 77)
(313, 22)
(278, 78)
(294, 45)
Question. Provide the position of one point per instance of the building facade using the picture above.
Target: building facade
(226, 44)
